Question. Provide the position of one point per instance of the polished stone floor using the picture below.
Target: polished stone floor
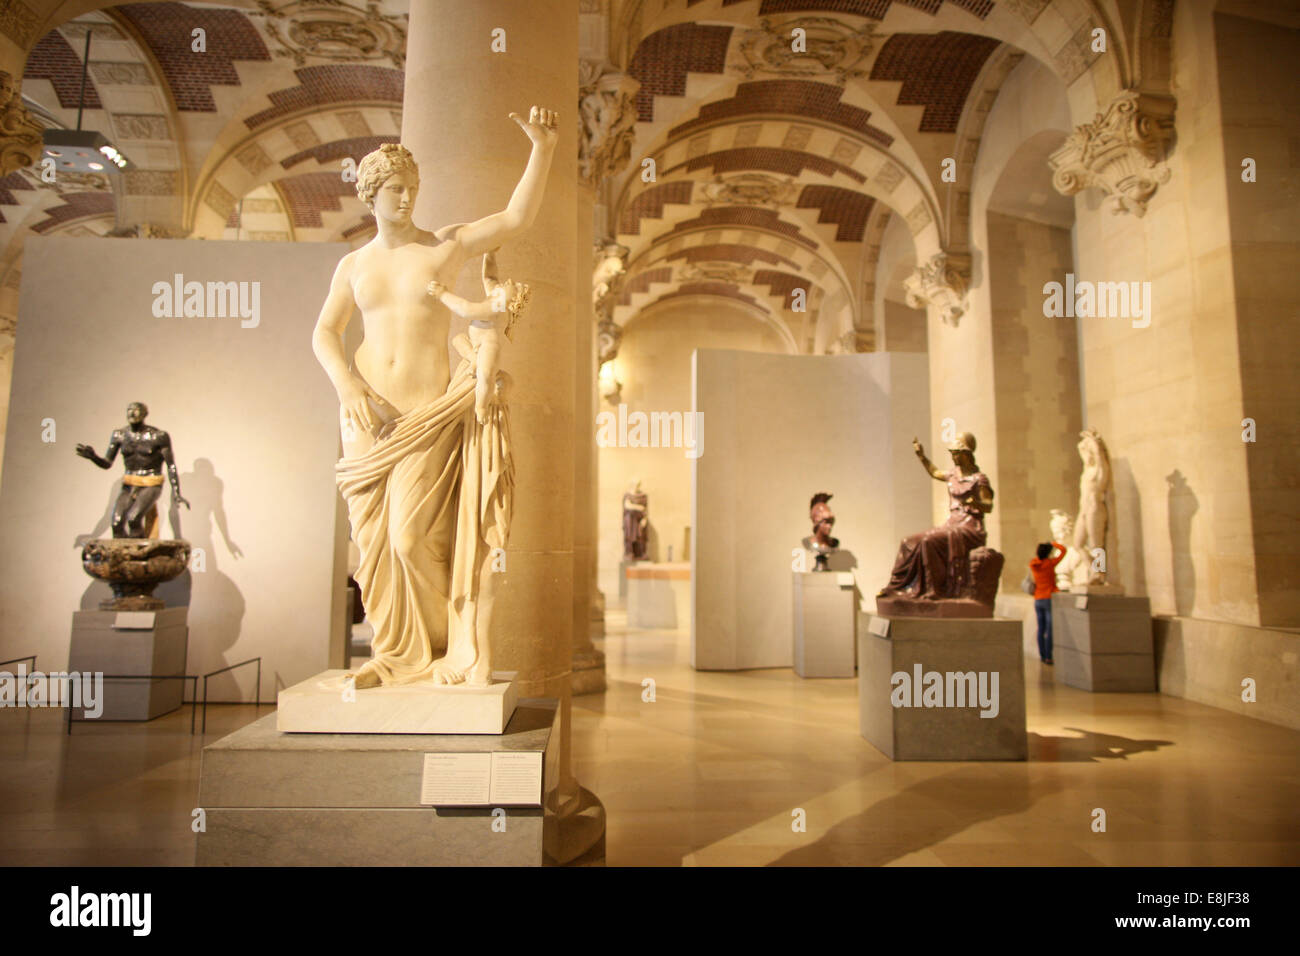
(714, 770)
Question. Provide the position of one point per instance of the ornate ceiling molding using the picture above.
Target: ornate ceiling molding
(829, 49)
(335, 31)
(20, 134)
(750, 189)
(1122, 152)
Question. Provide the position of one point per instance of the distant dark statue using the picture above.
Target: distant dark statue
(145, 450)
(135, 561)
(636, 506)
(820, 544)
(947, 571)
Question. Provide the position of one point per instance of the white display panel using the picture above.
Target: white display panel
(253, 421)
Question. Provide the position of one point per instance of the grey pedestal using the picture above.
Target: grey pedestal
(659, 595)
(274, 799)
(954, 730)
(132, 642)
(1106, 644)
(825, 624)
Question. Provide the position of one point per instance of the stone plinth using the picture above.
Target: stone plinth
(951, 728)
(1103, 642)
(132, 642)
(825, 622)
(659, 594)
(325, 704)
(274, 799)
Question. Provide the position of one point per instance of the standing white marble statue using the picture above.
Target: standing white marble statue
(428, 488)
(1090, 525)
(1072, 568)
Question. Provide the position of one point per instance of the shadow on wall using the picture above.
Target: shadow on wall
(651, 542)
(1126, 526)
(220, 603)
(1182, 507)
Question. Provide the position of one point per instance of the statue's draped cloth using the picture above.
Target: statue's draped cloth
(937, 560)
(428, 503)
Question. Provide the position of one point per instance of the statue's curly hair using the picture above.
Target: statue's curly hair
(378, 166)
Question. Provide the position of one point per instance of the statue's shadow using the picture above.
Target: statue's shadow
(936, 809)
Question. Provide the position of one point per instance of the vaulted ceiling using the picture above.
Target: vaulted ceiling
(775, 166)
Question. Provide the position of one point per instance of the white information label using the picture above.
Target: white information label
(133, 621)
(879, 626)
(1081, 603)
(456, 780)
(517, 778)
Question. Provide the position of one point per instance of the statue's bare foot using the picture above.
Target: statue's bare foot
(365, 678)
(445, 672)
(480, 674)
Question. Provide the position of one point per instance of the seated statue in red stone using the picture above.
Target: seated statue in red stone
(947, 571)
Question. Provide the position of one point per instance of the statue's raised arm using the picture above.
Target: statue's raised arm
(491, 231)
(928, 465)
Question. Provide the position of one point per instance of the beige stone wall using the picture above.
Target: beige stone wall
(654, 365)
(904, 328)
(1168, 398)
(1036, 370)
(1261, 114)
(986, 371)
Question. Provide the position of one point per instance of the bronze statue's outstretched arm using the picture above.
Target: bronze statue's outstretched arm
(928, 465)
(114, 443)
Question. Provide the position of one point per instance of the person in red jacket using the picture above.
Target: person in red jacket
(1043, 568)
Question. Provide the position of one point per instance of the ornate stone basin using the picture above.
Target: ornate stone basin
(133, 567)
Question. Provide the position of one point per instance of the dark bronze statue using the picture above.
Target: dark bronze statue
(947, 571)
(145, 450)
(636, 519)
(820, 544)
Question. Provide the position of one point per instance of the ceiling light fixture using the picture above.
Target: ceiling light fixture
(86, 148)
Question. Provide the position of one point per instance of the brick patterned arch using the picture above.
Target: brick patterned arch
(848, 209)
(165, 29)
(806, 99)
(936, 70)
(332, 84)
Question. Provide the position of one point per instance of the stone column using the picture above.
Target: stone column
(459, 93)
(588, 662)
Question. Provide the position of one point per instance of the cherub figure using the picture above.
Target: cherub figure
(505, 300)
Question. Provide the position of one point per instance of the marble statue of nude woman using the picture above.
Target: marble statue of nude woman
(428, 488)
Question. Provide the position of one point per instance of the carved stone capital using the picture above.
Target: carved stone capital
(21, 137)
(941, 284)
(1122, 152)
(607, 277)
(609, 335)
(607, 107)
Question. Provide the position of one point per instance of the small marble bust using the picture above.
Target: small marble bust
(820, 544)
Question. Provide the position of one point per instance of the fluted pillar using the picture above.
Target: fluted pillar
(459, 93)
